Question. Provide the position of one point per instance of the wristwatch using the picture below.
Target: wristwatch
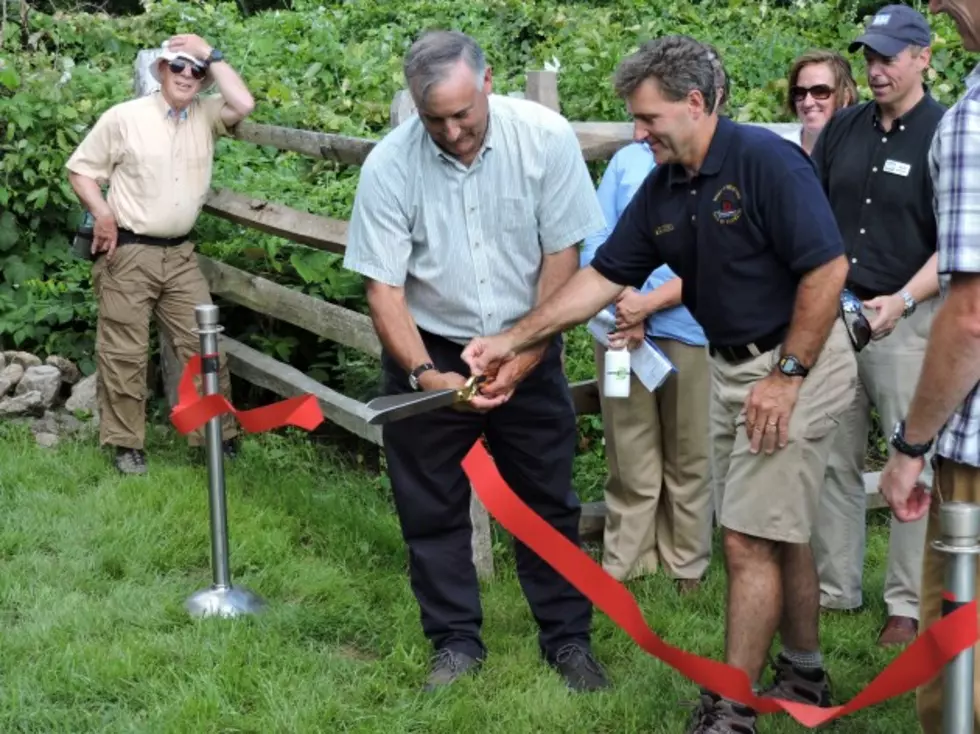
(914, 450)
(909, 304)
(413, 377)
(792, 367)
(214, 56)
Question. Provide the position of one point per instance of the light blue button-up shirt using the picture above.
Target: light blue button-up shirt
(623, 176)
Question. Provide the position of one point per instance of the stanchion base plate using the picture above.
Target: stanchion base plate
(234, 601)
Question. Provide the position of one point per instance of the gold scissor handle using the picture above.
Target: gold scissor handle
(470, 390)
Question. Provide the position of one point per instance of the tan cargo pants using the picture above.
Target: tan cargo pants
(952, 483)
(136, 282)
(658, 494)
(888, 371)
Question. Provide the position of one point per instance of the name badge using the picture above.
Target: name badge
(898, 168)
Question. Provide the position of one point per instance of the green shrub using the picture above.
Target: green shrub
(334, 66)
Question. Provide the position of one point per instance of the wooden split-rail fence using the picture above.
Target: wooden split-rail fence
(598, 141)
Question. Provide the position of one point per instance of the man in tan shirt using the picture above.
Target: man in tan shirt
(155, 154)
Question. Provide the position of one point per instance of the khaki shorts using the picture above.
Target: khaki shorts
(777, 497)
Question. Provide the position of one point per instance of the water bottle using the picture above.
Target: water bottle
(82, 244)
(616, 380)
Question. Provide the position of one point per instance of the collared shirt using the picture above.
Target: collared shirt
(954, 162)
(467, 243)
(623, 176)
(879, 188)
(741, 233)
(157, 164)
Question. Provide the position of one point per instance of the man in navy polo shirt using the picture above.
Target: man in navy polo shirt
(738, 213)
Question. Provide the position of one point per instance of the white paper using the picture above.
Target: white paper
(647, 362)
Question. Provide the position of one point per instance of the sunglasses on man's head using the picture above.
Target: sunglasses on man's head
(177, 66)
(817, 91)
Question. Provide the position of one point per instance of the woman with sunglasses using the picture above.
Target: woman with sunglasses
(820, 83)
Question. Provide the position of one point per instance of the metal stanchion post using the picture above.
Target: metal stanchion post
(959, 524)
(222, 599)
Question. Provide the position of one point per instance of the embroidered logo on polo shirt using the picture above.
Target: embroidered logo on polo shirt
(663, 229)
(728, 204)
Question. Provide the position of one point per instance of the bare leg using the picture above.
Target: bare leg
(800, 622)
(755, 600)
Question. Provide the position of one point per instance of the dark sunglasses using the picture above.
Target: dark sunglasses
(856, 323)
(817, 91)
(177, 66)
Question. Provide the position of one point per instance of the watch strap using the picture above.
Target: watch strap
(413, 377)
(902, 446)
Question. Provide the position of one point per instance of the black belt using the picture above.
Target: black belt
(745, 352)
(127, 237)
(865, 294)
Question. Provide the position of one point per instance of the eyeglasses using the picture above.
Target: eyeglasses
(177, 66)
(858, 328)
(817, 91)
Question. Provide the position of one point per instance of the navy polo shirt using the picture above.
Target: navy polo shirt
(741, 233)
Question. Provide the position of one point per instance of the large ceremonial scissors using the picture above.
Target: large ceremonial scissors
(395, 407)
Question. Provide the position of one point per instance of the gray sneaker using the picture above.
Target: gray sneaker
(447, 667)
(799, 684)
(130, 461)
(716, 715)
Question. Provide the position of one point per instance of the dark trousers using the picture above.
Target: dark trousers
(532, 440)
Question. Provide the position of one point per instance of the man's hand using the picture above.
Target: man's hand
(630, 338)
(506, 379)
(900, 486)
(632, 308)
(768, 409)
(104, 235)
(487, 355)
(188, 43)
(888, 310)
(432, 380)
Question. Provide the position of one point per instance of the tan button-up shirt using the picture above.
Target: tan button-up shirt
(157, 163)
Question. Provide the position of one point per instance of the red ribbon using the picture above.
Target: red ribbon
(194, 410)
(918, 664)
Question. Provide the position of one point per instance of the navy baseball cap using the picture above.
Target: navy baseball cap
(892, 29)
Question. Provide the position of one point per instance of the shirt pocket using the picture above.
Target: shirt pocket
(517, 223)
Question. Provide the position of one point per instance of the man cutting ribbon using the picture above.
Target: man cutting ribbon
(738, 213)
(464, 217)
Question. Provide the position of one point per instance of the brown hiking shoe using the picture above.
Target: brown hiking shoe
(130, 461)
(716, 715)
(447, 667)
(799, 684)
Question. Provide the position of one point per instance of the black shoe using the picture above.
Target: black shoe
(130, 461)
(448, 666)
(579, 668)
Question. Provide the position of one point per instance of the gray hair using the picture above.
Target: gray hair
(435, 54)
(680, 64)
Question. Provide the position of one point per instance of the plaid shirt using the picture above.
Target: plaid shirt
(954, 163)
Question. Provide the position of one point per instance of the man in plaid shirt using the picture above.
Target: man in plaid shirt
(946, 406)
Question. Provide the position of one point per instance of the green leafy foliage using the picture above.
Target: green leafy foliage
(334, 66)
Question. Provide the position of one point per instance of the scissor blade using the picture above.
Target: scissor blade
(395, 407)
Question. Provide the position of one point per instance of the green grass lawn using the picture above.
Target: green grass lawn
(94, 637)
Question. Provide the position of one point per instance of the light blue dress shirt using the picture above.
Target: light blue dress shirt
(623, 176)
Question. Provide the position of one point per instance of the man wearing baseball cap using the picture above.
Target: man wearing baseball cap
(873, 163)
(155, 153)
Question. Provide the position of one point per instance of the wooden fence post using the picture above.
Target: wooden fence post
(403, 107)
(542, 87)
